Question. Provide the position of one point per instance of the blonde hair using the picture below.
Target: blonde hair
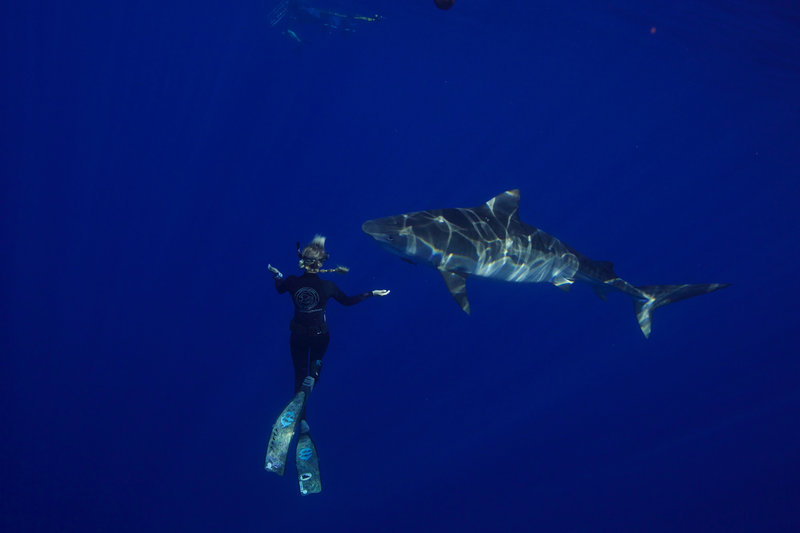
(314, 254)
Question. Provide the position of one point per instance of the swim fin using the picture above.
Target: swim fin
(283, 429)
(307, 463)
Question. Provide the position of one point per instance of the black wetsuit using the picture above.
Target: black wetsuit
(310, 337)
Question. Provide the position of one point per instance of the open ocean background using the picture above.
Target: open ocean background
(156, 156)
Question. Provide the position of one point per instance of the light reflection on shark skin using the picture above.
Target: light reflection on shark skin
(491, 241)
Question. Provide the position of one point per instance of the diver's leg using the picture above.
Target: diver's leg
(284, 427)
(299, 345)
(307, 459)
(319, 344)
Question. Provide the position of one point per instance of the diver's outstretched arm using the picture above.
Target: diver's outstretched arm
(280, 279)
(276, 274)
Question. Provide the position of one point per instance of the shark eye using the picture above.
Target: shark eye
(390, 237)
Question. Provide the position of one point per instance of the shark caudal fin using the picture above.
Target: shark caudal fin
(661, 295)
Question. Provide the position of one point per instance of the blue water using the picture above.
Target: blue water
(155, 157)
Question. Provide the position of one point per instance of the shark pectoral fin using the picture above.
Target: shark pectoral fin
(457, 285)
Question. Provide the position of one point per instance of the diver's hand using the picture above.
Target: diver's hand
(275, 272)
(380, 292)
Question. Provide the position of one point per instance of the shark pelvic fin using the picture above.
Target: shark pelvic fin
(563, 283)
(457, 285)
(600, 291)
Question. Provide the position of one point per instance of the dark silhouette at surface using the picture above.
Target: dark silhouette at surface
(298, 17)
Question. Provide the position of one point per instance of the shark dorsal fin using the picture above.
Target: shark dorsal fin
(505, 206)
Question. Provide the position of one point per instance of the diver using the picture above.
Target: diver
(303, 13)
(308, 342)
(310, 294)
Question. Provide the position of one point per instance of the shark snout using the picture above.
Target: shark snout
(370, 227)
(387, 231)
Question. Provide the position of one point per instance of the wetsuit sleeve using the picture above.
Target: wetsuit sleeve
(280, 285)
(337, 294)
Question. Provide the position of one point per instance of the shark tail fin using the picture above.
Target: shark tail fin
(656, 296)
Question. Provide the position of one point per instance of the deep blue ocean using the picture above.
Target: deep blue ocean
(155, 157)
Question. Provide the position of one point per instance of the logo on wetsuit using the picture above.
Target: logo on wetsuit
(306, 300)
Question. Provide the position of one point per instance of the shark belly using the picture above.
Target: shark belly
(534, 258)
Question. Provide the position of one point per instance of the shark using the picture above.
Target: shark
(490, 241)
